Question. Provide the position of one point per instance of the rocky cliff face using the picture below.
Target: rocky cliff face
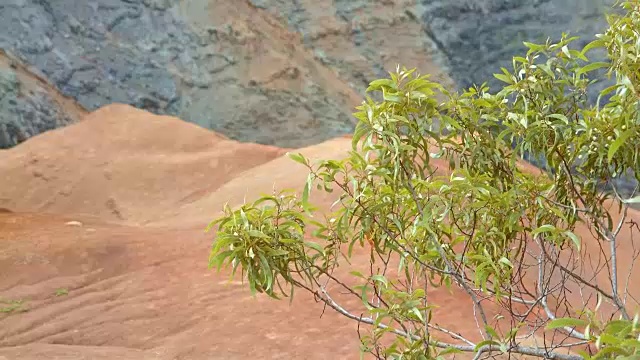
(226, 66)
(282, 72)
(29, 105)
(479, 37)
(362, 39)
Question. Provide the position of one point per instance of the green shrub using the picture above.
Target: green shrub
(490, 229)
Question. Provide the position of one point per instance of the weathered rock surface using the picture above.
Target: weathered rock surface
(226, 66)
(477, 37)
(285, 73)
(29, 105)
(469, 39)
(277, 72)
(362, 39)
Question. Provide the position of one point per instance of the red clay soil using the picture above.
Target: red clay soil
(102, 249)
(122, 164)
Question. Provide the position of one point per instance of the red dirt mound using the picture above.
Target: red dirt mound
(121, 164)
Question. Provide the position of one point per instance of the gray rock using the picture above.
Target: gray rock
(148, 54)
(80, 51)
(26, 111)
(477, 37)
(10, 133)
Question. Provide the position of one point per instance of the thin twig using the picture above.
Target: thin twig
(543, 295)
(524, 350)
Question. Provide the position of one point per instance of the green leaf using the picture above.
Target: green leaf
(360, 130)
(267, 271)
(277, 252)
(504, 260)
(243, 216)
(592, 45)
(631, 343)
(606, 91)
(605, 353)
(613, 148)
(491, 332)
(364, 297)
(377, 84)
(533, 47)
(218, 259)
(560, 117)
(314, 246)
(381, 279)
(520, 59)
(609, 339)
(418, 314)
(450, 350)
(306, 191)
(626, 81)
(394, 98)
(503, 78)
(574, 238)
(297, 157)
(543, 228)
(591, 67)
(258, 234)
(565, 322)
(486, 343)
(578, 54)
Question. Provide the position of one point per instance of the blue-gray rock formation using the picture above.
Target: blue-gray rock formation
(479, 37)
(281, 72)
(230, 68)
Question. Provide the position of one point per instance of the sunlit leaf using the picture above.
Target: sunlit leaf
(565, 322)
(617, 143)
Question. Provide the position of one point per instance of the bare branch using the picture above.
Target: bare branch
(614, 266)
(452, 334)
(324, 296)
(609, 236)
(543, 295)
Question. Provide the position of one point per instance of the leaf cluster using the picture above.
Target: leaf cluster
(434, 188)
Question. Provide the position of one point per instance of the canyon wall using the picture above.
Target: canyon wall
(278, 72)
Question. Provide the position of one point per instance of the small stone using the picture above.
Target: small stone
(73, 223)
